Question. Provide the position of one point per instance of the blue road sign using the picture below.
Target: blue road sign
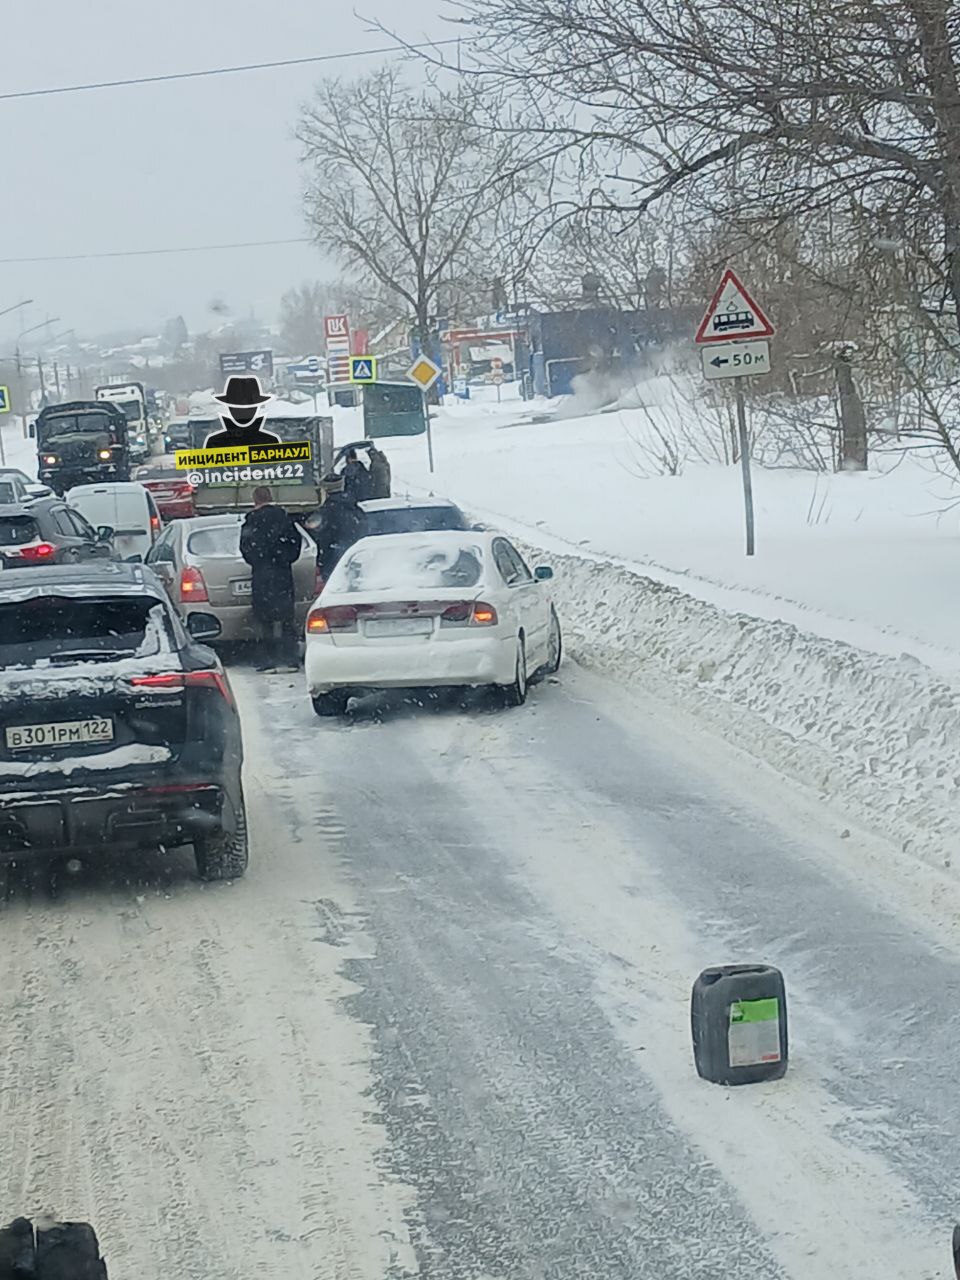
(313, 364)
(363, 369)
(4, 399)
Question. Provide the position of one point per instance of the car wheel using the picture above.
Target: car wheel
(333, 703)
(69, 1249)
(554, 647)
(515, 695)
(223, 857)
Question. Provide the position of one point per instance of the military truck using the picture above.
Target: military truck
(81, 442)
(296, 485)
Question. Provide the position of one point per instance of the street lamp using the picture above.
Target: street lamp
(33, 329)
(16, 307)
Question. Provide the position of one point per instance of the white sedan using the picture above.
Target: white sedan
(435, 609)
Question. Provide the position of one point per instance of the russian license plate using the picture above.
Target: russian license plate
(243, 588)
(398, 627)
(64, 733)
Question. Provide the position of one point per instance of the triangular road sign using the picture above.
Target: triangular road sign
(733, 314)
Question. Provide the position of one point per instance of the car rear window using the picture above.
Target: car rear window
(17, 530)
(61, 628)
(413, 520)
(221, 540)
(414, 566)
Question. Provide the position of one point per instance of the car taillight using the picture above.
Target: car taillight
(469, 613)
(340, 617)
(192, 585)
(186, 680)
(35, 551)
(155, 524)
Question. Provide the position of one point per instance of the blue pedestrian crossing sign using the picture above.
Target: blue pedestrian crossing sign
(313, 364)
(363, 368)
(4, 399)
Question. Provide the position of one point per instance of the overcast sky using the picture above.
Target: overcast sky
(154, 166)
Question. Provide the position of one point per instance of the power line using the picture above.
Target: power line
(222, 71)
(144, 253)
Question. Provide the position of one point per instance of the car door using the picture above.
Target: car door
(90, 545)
(536, 603)
(162, 558)
(520, 593)
(57, 527)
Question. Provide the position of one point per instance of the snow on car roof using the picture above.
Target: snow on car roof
(399, 563)
(114, 578)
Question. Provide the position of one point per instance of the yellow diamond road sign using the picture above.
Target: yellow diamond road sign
(424, 372)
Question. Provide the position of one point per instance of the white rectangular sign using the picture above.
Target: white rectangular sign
(735, 359)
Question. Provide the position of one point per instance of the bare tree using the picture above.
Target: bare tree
(403, 184)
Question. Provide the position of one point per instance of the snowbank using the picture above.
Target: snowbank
(876, 737)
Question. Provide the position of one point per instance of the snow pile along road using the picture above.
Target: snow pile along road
(876, 737)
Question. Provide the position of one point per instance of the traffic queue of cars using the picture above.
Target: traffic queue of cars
(118, 725)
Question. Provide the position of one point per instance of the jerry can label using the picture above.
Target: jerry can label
(753, 1037)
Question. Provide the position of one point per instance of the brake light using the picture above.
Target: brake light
(192, 585)
(155, 524)
(186, 680)
(469, 613)
(341, 617)
(35, 551)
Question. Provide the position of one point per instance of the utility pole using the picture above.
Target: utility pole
(56, 380)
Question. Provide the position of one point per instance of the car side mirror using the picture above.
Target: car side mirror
(32, 430)
(478, 528)
(543, 573)
(38, 491)
(137, 559)
(203, 627)
(105, 532)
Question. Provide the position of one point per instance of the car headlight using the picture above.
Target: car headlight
(50, 459)
(104, 455)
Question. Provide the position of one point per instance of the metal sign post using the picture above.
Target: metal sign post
(424, 372)
(732, 340)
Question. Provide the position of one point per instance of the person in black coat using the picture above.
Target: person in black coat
(270, 543)
(356, 478)
(338, 524)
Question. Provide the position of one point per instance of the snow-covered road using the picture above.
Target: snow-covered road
(442, 1027)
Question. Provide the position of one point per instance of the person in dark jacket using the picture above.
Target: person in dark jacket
(379, 474)
(356, 478)
(338, 524)
(270, 543)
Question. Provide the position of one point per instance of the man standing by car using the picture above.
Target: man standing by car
(338, 524)
(270, 543)
(379, 474)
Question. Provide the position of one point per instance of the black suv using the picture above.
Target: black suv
(48, 531)
(118, 728)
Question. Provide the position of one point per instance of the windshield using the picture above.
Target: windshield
(413, 520)
(17, 530)
(64, 424)
(132, 409)
(46, 627)
(409, 566)
(216, 542)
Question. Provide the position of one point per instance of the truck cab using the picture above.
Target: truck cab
(81, 442)
(131, 399)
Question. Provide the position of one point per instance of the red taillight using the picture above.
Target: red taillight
(192, 585)
(35, 551)
(155, 524)
(340, 617)
(469, 613)
(186, 680)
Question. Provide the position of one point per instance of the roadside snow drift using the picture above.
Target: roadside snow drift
(877, 737)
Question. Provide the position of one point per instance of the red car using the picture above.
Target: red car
(170, 489)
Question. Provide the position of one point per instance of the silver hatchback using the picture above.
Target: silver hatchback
(203, 571)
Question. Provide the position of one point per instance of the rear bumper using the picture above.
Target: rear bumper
(237, 622)
(465, 661)
(78, 819)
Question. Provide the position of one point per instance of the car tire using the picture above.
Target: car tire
(331, 704)
(223, 857)
(515, 695)
(554, 648)
(69, 1251)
